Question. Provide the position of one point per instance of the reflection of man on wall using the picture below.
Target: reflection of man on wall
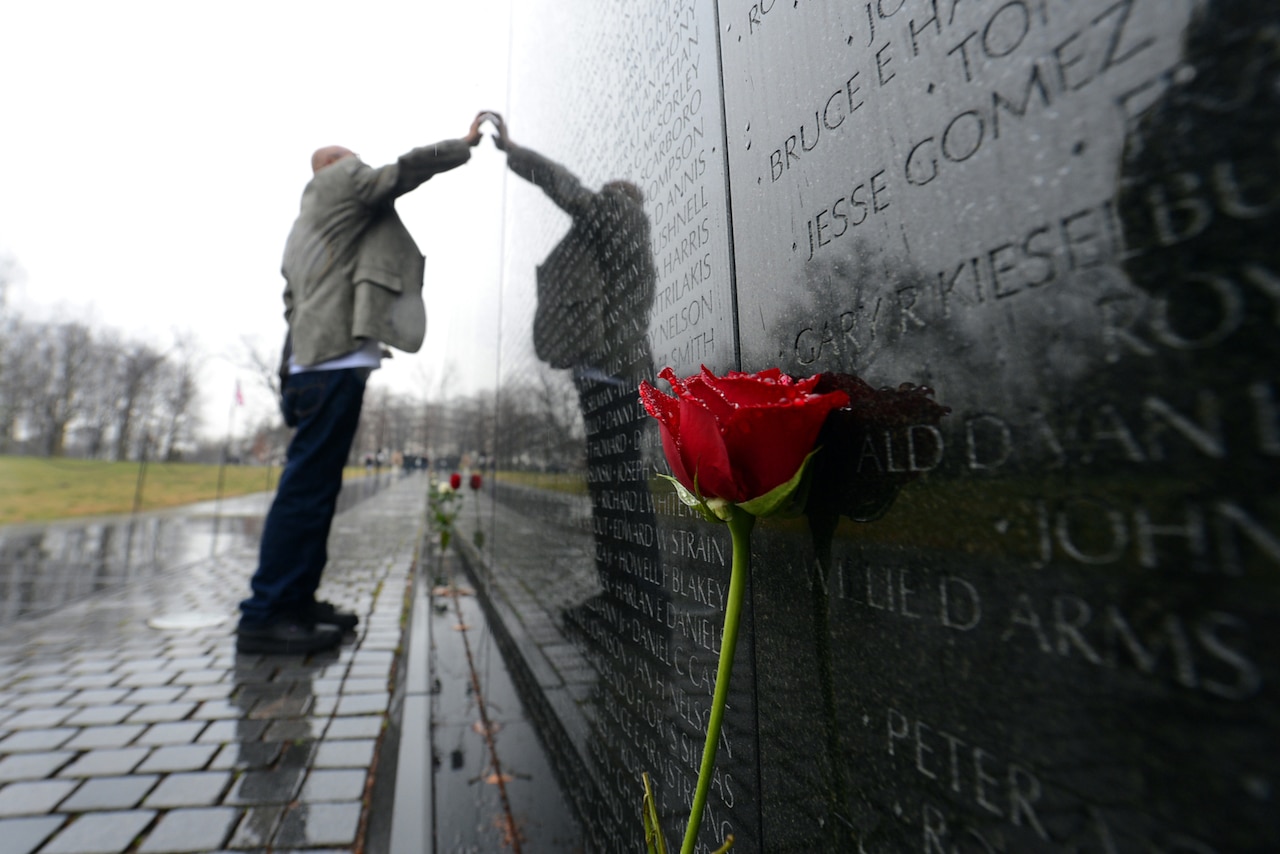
(354, 284)
(1200, 204)
(595, 291)
(596, 287)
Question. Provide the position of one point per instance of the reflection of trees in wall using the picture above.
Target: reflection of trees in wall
(534, 427)
(390, 422)
(540, 426)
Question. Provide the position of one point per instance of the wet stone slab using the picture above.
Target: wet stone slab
(109, 793)
(97, 763)
(32, 766)
(308, 825)
(190, 830)
(25, 835)
(100, 833)
(34, 798)
(189, 758)
(356, 753)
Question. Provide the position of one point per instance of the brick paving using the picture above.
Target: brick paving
(116, 736)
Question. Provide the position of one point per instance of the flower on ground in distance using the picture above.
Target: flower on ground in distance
(476, 480)
(455, 480)
(740, 436)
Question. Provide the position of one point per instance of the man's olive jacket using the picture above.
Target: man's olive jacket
(352, 270)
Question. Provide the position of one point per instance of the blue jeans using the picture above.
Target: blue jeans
(326, 408)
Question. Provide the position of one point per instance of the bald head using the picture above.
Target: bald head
(328, 155)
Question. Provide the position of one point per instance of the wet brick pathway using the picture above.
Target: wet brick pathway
(115, 736)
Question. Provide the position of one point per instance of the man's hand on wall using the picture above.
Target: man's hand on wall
(474, 136)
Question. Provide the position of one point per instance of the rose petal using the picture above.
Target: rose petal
(661, 406)
(677, 385)
(747, 390)
(675, 460)
(703, 453)
(700, 389)
(666, 409)
(767, 375)
(768, 445)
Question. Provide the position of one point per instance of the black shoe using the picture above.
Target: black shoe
(287, 637)
(327, 612)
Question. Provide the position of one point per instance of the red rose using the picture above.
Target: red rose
(739, 436)
(475, 480)
(455, 481)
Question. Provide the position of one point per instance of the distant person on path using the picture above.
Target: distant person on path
(353, 285)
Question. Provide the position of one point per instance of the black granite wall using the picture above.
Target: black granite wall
(1059, 214)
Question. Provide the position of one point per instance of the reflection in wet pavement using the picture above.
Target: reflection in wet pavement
(45, 566)
(494, 787)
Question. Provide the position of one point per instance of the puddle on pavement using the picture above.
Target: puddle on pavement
(45, 566)
(494, 791)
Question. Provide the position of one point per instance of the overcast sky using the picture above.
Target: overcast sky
(153, 154)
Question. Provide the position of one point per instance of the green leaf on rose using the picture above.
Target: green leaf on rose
(692, 500)
(777, 499)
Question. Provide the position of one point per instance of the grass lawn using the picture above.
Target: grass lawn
(553, 482)
(34, 489)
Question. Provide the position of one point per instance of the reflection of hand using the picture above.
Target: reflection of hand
(473, 135)
(501, 139)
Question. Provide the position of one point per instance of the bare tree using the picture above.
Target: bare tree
(97, 407)
(11, 273)
(562, 437)
(267, 442)
(176, 394)
(137, 365)
(68, 386)
(67, 350)
(12, 331)
(21, 374)
(372, 430)
(539, 426)
(262, 363)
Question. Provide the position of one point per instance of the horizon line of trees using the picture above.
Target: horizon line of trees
(68, 389)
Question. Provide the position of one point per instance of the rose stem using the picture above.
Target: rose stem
(740, 524)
